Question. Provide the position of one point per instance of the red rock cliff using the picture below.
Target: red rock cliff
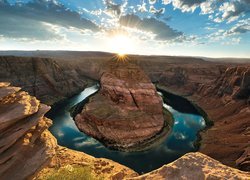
(126, 111)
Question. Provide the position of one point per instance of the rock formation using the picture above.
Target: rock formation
(194, 166)
(202, 82)
(228, 106)
(222, 91)
(27, 147)
(126, 112)
(234, 83)
(47, 79)
(28, 150)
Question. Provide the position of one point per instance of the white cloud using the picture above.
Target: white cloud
(232, 41)
(187, 5)
(165, 2)
(233, 10)
(88, 142)
(242, 26)
(152, 1)
(207, 7)
(142, 7)
(218, 20)
(157, 12)
(180, 136)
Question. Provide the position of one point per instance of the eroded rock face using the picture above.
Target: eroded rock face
(222, 91)
(195, 166)
(29, 151)
(244, 161)
(44, 78)
(25, 146)
(126, 111)
(234, 83)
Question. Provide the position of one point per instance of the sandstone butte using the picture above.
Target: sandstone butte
(29, 151)
(127, 111)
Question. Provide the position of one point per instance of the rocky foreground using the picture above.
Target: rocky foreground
(195, 166)
(27, 147)
(29, 151)
(127, 111)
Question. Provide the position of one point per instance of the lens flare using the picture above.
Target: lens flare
(121, 44)
(121, 57)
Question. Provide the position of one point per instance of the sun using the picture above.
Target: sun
(121, 44)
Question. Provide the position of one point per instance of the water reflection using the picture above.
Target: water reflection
(180, 141)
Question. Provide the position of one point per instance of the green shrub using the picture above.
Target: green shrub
(71, 173)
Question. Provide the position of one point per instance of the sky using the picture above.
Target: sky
(211, 28)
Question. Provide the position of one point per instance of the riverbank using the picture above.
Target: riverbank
(226, 139)
(166, 147)
(140, 146)
(197, 109)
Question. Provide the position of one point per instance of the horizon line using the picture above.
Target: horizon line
(211, 57)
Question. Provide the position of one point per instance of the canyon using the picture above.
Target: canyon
(220, 89)
(28, 150)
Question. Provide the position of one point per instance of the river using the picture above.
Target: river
(187, 123)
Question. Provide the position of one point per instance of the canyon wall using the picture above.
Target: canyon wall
(222, 91)
(47, 79)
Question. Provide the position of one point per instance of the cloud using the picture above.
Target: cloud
(180, 136)
(87, 142)
(232, 41)
(115, 9)
(142, 7)
(231, 11)
(208, 7)
(30, 20)
(184, 5)
(160, 29)
(78, 139)
(166, 2)
(22, 28)
(152, 1)
(156, 12)
(232, 35)
(242, 27)
(225, 10)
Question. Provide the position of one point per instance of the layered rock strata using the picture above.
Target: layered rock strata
(29, 151)
(223, 92)
(126, 111)
(27, 147)
(47, 79)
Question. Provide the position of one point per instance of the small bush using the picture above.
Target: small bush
(71, 173)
